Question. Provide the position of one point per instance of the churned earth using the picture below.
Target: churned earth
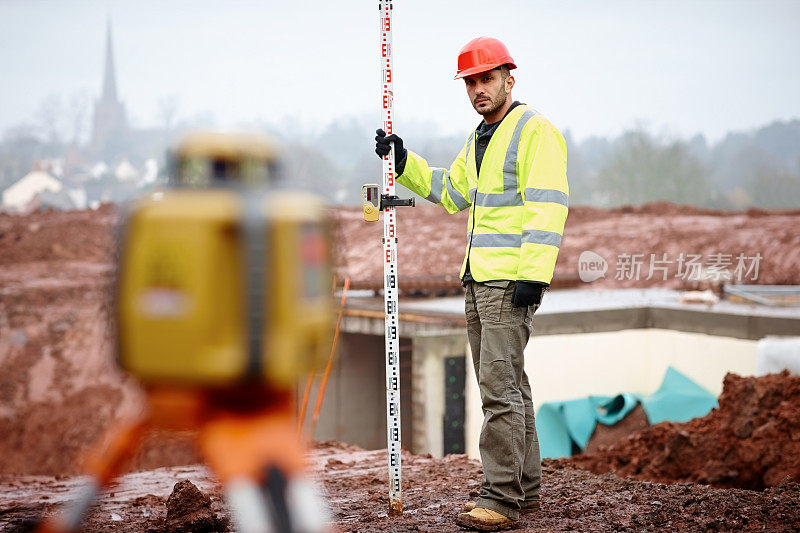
(354, 482)
(432, 243)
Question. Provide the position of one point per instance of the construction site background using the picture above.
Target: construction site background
(60, 388)
(59, 384)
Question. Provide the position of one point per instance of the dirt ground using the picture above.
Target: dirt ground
(354, 483)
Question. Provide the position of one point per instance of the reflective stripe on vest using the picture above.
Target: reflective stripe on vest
(514, 240)
(437, 184)
(440, 179)
(510, 195)
(547, 195)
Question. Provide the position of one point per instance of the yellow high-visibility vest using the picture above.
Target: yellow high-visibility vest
(518, 204)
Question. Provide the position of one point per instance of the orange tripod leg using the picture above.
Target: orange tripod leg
(243, 448)
(114, 452)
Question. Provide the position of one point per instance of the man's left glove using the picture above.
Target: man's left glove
(382, 149)
(527, 293)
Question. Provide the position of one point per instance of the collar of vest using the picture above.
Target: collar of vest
(510, 121)
(515, 104)
(513, 116)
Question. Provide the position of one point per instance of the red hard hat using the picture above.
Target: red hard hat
(482, 54)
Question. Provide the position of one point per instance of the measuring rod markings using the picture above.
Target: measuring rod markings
(390, 290)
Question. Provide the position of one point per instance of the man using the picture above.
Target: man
(511, 174)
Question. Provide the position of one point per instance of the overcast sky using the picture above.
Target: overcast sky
(681, 67)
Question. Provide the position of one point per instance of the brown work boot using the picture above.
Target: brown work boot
(485, 520)
(529, 507)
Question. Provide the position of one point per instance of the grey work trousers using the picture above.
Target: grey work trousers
(498, 333)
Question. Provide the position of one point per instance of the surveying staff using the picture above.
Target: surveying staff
(511, 174)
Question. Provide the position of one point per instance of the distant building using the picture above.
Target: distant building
(118, 164)
(20, 195)
(110, 127)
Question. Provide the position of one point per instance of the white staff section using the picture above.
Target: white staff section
(390, 272)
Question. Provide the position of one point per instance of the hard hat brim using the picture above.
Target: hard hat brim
(482, 68)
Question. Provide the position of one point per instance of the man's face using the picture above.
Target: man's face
(488, 91)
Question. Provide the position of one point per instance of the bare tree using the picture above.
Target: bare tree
(168, 110)
(50, 116)
(78, 114)
(642, 169)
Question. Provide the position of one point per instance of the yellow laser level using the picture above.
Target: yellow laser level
(204, 158)
(227, 283)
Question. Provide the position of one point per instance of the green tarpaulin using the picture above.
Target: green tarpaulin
(567, 426)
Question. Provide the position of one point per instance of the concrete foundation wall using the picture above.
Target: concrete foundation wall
(352, 410)
(354, 406)
(562, 367)
(428, 392)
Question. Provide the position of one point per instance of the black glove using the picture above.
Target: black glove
(382, 149)
(527, 293)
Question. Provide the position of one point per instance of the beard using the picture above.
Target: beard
(495, 102)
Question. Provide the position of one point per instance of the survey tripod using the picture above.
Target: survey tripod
(222, 302)
(252, 451)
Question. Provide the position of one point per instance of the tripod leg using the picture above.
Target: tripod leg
(307, 507)
(275, 490)
(257, 457)
(295, 506)
(71, 515)
(115, 450)
(248, 506)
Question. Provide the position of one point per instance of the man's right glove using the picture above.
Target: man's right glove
(382, 149)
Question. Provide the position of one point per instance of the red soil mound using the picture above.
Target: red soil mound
(57, 235)
(432, 243)
(751, 441)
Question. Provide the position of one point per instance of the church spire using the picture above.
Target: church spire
(110, 126)
(109, 78)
